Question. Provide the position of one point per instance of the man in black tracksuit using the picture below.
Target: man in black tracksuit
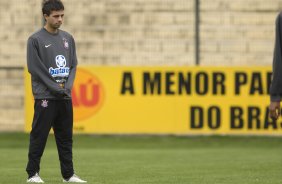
(276, 83)
(51, 61)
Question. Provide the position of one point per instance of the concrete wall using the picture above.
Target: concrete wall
(137, 32)
(238, 32)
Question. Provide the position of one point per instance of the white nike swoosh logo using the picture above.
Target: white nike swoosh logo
(46, 46)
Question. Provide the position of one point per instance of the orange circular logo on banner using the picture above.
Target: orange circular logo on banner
(87, 95)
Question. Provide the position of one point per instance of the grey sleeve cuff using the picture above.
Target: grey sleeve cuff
(275, 98)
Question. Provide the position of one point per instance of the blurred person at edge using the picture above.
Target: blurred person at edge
(51, 61)
(276, 83)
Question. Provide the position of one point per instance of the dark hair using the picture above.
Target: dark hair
(51, 5)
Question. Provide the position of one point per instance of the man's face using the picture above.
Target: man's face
(55, 19)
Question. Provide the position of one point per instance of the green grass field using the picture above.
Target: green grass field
(152, 159)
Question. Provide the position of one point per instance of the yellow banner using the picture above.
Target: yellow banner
(169, 100)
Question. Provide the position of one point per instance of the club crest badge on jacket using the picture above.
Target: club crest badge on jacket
(44, 103)
(66, 43)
